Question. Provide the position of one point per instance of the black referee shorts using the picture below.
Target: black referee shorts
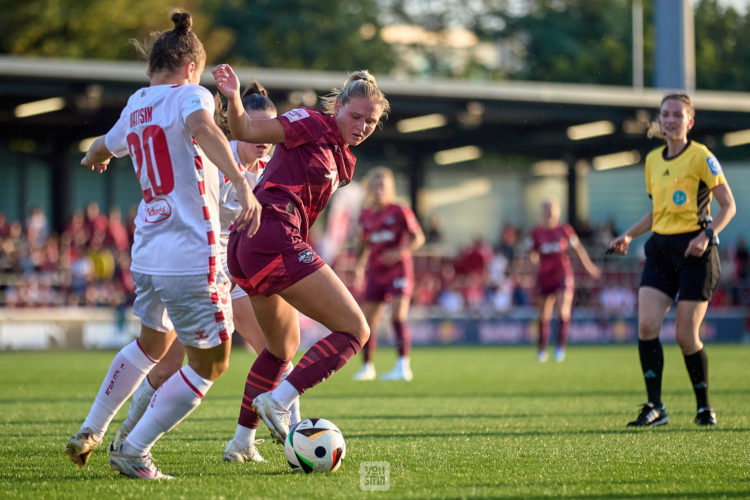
(667, 269)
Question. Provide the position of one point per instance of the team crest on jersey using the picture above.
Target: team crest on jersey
(306, 256)
(158, 210)
(390, 220)
(714, 165)
(679, 197)
(296, 114)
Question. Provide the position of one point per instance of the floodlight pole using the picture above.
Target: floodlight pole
(638, 44)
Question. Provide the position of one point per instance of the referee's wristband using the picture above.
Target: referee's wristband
(711, 236)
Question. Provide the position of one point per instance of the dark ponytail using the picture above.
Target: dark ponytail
(254, 98)
(173, 48)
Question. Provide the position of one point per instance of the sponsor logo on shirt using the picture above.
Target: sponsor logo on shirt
(158, 210)
(381, 236)
(306, 256)
(296, 114)
(679, 197)
(552, 247)
(713, 164)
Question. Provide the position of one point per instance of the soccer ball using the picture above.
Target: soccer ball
(314, 445)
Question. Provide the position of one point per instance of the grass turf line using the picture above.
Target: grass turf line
(476, 422)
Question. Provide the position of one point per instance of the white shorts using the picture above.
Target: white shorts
(200, 312)
(238, 292)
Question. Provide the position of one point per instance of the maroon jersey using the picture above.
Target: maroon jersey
(306, 169)
(385, 229)
(552, 245)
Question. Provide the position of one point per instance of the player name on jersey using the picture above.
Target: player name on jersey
(140, 116)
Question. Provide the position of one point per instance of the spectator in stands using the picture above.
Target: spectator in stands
(117, 234)
(95, 220)
(4, 226)
(36, 228)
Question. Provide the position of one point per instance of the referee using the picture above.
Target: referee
(682, 258)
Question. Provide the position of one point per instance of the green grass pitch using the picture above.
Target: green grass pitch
(476, 422)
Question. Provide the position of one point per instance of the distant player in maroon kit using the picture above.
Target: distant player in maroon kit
(390, 233)
(555, 281)
(277, 268)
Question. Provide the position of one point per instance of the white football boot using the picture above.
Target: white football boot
(367, 372)
(275, 416)
(81, 445)
(233, 453)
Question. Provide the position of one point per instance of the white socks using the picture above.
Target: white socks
(172, 402)
(285, 394)
(294, 408)
(127, 370)
(141, 398)
(244, 437)
(402, 363)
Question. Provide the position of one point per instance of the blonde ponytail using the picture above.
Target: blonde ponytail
(359, 84)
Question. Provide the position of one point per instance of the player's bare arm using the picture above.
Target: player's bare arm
(98, 156)
(727, 210)
(240, 124)
(621, 243)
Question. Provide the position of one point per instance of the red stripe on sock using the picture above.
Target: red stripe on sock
(322, 351)
(137, 341)
(328, 345)
(192, 387)
(262, 378)
(256, 385)
(248, 407)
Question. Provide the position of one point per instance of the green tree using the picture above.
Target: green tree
(574, 41)
(95, 29)
(306, 34)
(721, 57)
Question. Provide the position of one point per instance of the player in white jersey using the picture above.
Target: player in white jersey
(251, 159)
(174, 257)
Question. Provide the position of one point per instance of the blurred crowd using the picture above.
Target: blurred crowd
(485, 279)
(88, 264)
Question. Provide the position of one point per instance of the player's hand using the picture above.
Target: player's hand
(697, 246)
(595, 272)
(620, 244)
(226, 81)
(392, 256)
(359, 278)
(249, 219)
(100, 167)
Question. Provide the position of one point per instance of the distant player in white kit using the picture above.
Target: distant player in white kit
(168, 130)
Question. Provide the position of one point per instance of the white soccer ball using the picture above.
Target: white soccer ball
(314, 445)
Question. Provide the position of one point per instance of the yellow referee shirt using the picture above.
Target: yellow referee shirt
(680, 187)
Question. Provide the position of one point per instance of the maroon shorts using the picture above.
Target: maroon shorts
(551, 287)
(272, 260)
(376, 291)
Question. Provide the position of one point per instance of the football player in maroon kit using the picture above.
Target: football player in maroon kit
(390, 233)
(555, 281)
(277, 267)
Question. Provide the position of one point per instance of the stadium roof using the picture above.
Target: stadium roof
(460, 119)
(505, 117)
